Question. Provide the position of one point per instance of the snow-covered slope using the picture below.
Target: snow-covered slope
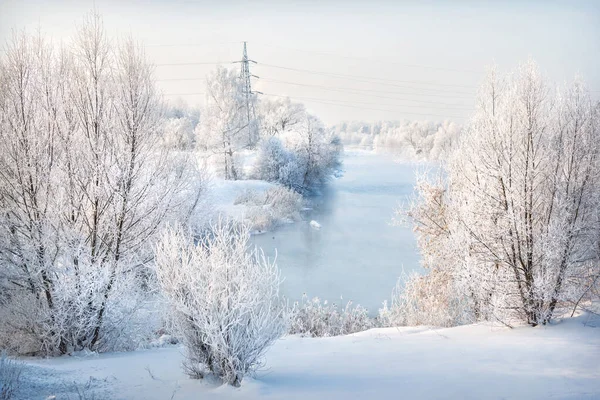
(470, 362)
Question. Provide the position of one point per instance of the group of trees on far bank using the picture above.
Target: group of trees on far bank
(410, 140)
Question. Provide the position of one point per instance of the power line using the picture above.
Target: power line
(447, 105)
(195, 63)
(358, 91)
(364, 108)
(374, 60)
(348, 90)
(360, 78)
(330, 102)
(367, 90)
(377, 104)
(365, 81)
(191, 44)
(357, 78)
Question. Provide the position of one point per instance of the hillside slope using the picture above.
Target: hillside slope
(561, 361)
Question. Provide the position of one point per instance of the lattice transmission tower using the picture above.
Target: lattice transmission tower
(249, 95)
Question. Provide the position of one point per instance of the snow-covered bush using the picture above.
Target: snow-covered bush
(28, 326)
(10, 375)
(224, 299)
(270, 208)
(313, 317)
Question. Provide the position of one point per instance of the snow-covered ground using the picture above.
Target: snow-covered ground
(561, 361)
(223, 195)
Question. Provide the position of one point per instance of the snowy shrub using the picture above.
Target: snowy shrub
(318, 318)
(224, 299)
(275, 163)
(28, 327)
(10, 375)
(270, 208)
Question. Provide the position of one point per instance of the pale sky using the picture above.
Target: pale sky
(346, 60)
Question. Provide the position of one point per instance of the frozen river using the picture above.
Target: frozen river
(356, 254)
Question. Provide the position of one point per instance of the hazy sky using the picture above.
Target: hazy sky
(406, 59)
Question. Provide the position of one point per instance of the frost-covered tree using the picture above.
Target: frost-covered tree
(179, 133)
(223, 129)
(224, 299)
(519, 229)
(318, 151)
(303, 159)
(279, 116)
(31, 110)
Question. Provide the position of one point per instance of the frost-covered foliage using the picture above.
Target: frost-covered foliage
(418, 140)
(313, 317)
(515, 223)
(226, 126)
(180, 124)
(279, 116)
(302, 158)
(275, 163)
(85, 186)
(179, 133)
(270, 208)
(178, 109)
(10, 376)
(224, 299)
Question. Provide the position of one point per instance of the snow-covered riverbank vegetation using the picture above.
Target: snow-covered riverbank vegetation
(295, 149)
(276, 141)
(511, 231)
(409, 140)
